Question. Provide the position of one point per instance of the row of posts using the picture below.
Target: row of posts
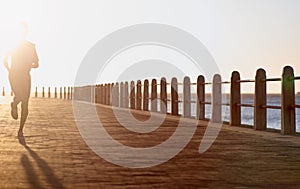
(63, 93)
(119, 95)
(127, 95)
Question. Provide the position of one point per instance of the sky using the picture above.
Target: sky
(241, 35)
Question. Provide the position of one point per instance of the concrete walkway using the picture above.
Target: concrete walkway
(53, 155)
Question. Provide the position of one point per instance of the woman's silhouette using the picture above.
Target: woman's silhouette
(23, 58)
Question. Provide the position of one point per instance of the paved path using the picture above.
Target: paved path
(55, 156)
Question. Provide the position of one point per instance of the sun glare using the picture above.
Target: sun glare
(11, 34)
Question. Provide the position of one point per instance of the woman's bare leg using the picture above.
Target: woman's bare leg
(24, 114)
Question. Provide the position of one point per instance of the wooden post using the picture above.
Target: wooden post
(43, 92)
(111, 86)
(235, 99)
(163, 96)
(71, 97)
(217, 99)
(174, 96)
(3, 92)
(126, 95)
(60, 92)
(200, 98)
(154, 95)
(65, 93)
(49, 92)
(55, 92)
(68, 93)
(122, 95)
(36, 92)
(139, 95)
(102, 94)
(132, 95)
(116, 95)
(96, 94)
(186, 97)
(260, 98)
(99, 94)
(146, 95)
(288, 123)
(107, 94)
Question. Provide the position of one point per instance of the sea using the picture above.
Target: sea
(247, 113)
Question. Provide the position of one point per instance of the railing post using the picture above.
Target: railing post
(235, 99)
(96, 94)
(174, 96)
(111, 85)
(11, 93)
(216, 99)
(132, 95)
(260, 98)
(3, 92)
(163, 96)
(43, 92)
(186, 97)
(99, 93)
(71, 97)
(115, 95)
(139, 95)
(60, 92)
(36, 92)
(64, 92)
(49, 92)
(126, 95)
(122, 94)
(68, 92)
(288, 123)
(107, 91)
(200, 97)
(102, 94)
(146, 95)
(55, 92)
(154, 95)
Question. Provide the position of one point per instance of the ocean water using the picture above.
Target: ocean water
(273, 115)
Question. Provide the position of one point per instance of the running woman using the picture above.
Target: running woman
(23, 58)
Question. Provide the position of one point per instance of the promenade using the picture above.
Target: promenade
(53, 154)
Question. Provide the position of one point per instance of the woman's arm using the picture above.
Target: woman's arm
(35, 63)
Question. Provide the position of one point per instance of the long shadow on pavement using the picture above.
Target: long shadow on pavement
(46, 169)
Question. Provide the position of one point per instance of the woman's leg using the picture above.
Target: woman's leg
(16, 87)
(24, 114)
(21, 86)
(24, 102)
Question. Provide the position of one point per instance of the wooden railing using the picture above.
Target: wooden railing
(63, 93)
(144, 96)
(137, 96)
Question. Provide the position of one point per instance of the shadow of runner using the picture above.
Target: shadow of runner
(42, 164)
(30, 173)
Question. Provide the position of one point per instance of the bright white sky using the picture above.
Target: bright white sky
(241, 35)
